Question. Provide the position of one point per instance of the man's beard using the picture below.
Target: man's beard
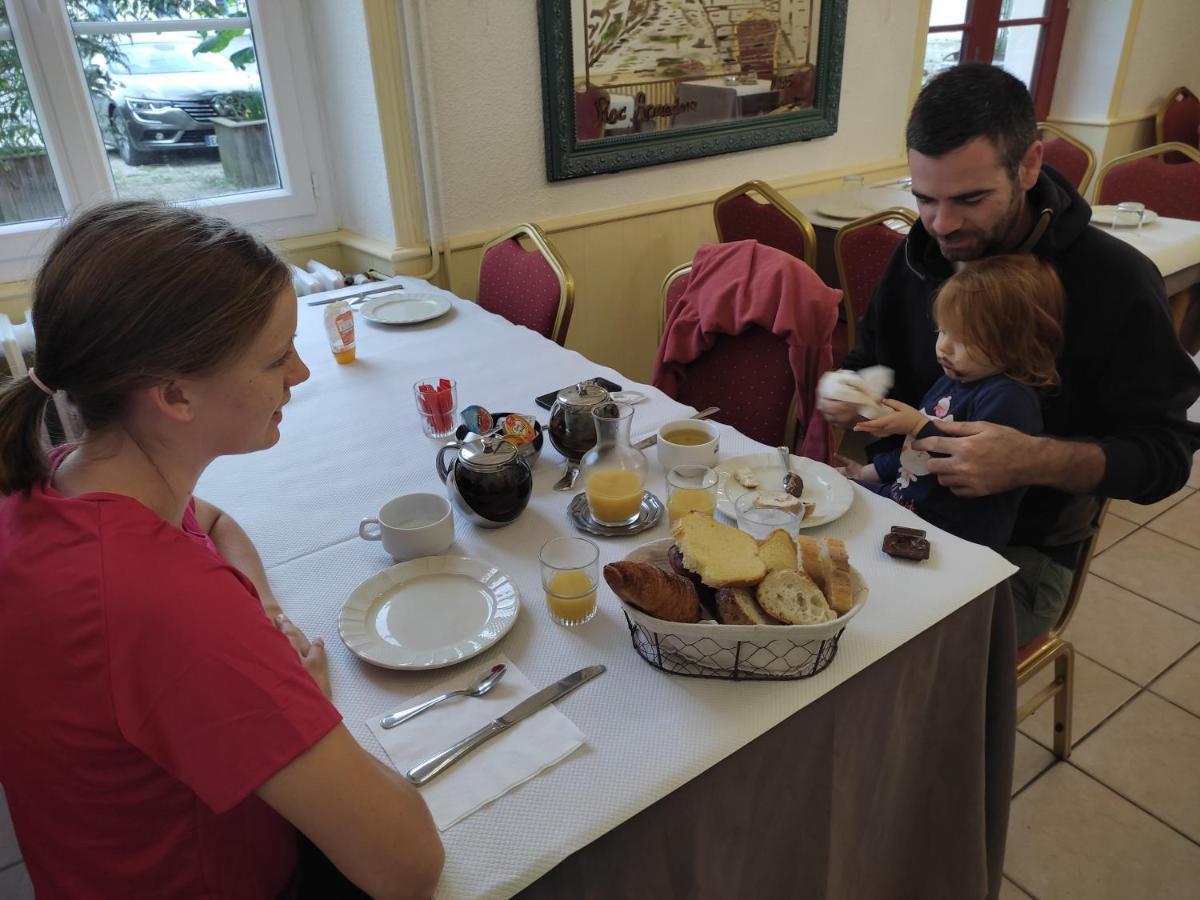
(999, 239)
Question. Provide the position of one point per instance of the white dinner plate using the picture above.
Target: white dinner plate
(823, 485)
(428, 613)
(404, 307)
(846, 210)
(1105, 215)
(630, 397)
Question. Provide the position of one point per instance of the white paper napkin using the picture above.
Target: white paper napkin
(534, 744)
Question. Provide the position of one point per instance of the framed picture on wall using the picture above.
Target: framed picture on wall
(630, 83)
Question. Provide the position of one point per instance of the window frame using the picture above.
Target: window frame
(46, 46)
(983, 23)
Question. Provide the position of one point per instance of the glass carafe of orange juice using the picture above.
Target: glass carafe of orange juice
(614, 472)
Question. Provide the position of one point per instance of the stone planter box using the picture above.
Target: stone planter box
(246, 154)
(27, 189)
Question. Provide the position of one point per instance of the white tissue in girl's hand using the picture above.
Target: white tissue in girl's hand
(865, 388)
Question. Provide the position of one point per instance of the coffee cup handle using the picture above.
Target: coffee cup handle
(369, 530)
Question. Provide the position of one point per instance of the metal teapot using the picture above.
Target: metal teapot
(572, 429)
(488, 479)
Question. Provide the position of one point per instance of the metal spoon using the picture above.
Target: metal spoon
(481, 686)
(785, 457)
(570, 473)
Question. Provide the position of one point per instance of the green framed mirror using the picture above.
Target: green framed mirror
(632, 83)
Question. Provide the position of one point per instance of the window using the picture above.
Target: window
(194, 101)
(1022, 36)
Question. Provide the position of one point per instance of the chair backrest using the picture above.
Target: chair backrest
(1066, 155)
(757, 37)
(800, 87)
(862, 250)
(1178, 119)
(1142, 176)
(673, 287)
(588, 124)
(528, 287)
(749, 377)
(772, 221)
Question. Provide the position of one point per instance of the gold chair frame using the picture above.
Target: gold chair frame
(1074, 142)
(1157, 150)
(790, 425)
(895, 212)
(781, 203)
(1061, 652)
(566, 284)
(1161, 114)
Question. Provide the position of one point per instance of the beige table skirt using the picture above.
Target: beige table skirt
(896, 784)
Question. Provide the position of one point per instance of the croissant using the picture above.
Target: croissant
(663, 595)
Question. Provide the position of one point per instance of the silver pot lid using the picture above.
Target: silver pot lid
(487, 454)
(584, 395)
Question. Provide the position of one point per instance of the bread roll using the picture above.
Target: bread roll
(663, 595)
(792, 597)
(737, 606)
(722, 556)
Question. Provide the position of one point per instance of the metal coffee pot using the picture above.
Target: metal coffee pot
(572, 429)
(488, 480)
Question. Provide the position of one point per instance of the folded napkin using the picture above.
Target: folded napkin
(534, 744)
(865, 388)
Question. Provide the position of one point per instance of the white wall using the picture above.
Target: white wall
(1091, 55)
(1166, 54)
(350, 116)
(486, 81)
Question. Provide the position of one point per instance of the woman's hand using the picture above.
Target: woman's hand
(312, 653)
(903, 419)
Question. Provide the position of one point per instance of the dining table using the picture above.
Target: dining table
(886, 774)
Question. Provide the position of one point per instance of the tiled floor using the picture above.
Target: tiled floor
(1121, 817)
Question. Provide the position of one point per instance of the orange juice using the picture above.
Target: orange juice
(614, 495)
(686, 500)
(571, 596)
(344, 356)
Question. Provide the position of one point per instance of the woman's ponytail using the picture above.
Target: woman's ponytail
(22, 455)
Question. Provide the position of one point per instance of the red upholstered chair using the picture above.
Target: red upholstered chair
(800, 87)
(772, 221)
(528, 287)
(749, 377)
(1067, 156)
(1051, 647)
(673, 287)
(1178, 119)
(1144, 177)
(861, 250)
(588, 124)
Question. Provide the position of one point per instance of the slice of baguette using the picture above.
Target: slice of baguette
(722, 556)
(792, 597)
(778, 551)
(810, 561)
(737, 606)
(840, 588)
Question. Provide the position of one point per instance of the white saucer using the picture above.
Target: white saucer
(847, 210)
(823, 485)
(1106, 215)
(404, 307)
(428, 613)
(630, 397)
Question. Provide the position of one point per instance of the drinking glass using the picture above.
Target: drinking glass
(853, 183)
(691, 489)
(760, 521)
(570, 571)
(437, 406)
(1129, 215)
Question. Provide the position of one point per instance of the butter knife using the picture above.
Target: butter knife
(652, 439)
(423, 772)
(361, 295)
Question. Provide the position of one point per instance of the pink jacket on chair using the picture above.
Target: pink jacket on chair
(738, 285)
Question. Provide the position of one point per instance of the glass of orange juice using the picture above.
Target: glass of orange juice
(570, 569)
(691, 489)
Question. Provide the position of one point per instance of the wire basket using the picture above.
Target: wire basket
(738, 652)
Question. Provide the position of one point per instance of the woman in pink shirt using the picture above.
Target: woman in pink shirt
(166, 728)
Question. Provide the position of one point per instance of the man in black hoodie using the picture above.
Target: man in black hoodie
(1117, 426)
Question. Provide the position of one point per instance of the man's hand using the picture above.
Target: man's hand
(981, 458)
(838, 412)
(902, 420)
(312, 653)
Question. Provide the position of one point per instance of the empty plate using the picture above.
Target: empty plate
(404, 307)
(846, 210)
(428, 613)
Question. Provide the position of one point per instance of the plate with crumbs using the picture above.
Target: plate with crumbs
(825, 487)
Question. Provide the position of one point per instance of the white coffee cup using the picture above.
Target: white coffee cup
(412, 525)
(671, 454)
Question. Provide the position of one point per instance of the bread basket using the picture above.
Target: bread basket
(741, 652)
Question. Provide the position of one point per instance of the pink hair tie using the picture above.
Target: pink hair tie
(41, 384)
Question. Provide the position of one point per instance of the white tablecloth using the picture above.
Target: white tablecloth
(351, 441)
(1172, 244)
(874, 199)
